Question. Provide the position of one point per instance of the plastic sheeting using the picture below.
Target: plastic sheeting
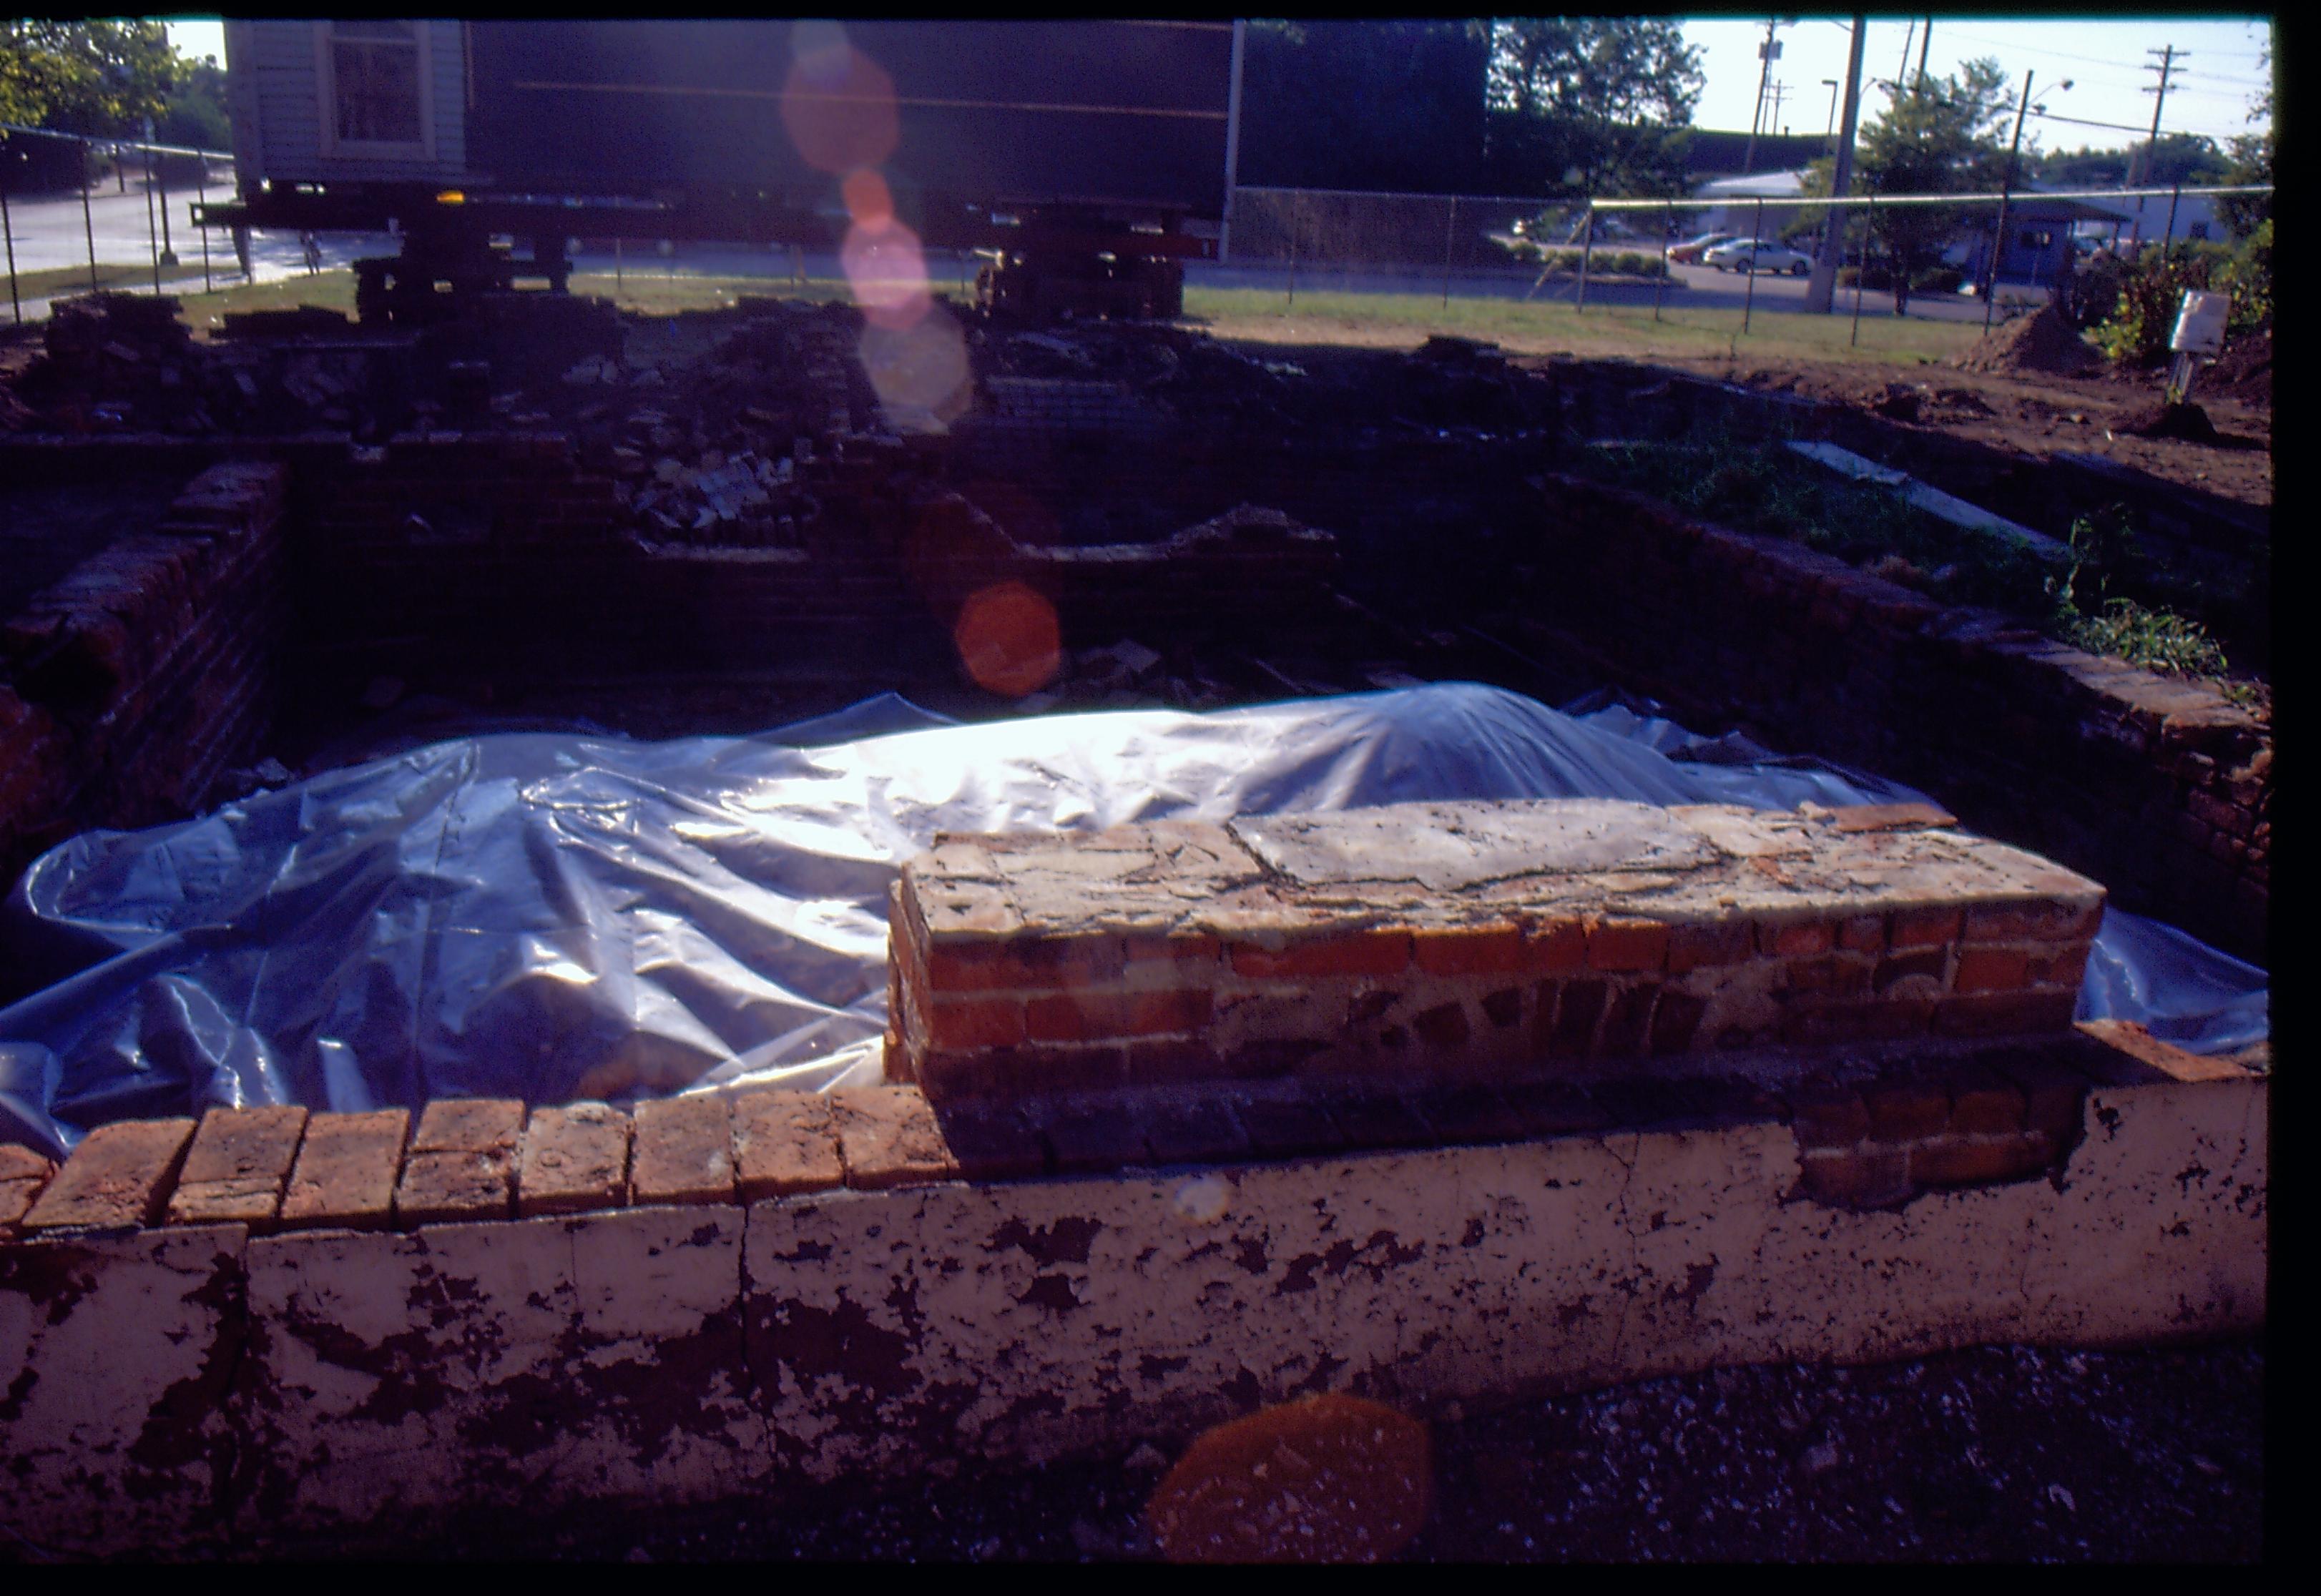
(553, 916)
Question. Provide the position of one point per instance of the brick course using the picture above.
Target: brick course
(1585, 938)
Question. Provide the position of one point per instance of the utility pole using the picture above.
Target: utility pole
(1779, 91)
(1824, 282)
(1902, 68)
(2169, 55)
(1767, 52)
(2006, 192)
(1925, 38)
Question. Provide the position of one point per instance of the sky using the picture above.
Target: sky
(2103, 58)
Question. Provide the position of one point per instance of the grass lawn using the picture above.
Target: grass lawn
(1376, 321)
(1393, 321)
(74, 279)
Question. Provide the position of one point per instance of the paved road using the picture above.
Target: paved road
(49, 233)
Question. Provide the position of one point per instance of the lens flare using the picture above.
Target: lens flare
(1008, 639)
(838, 105)
(1325, 1479)
(919, 372)
(887, 271)
(868, 202)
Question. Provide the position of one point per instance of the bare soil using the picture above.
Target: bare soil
(2006, 1454)
(2043, 413)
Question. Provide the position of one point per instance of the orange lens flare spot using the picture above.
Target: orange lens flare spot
(887, 271)
(869, 203)
(1325, 1479)
(1008, 639)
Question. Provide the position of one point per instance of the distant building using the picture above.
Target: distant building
(2040, 231)
(1732, 204)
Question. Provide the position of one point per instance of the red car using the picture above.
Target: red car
(1691, 251)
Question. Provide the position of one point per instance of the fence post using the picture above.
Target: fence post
(1296, 221)
(1749, 294)
(202, 194)
(152, 238)
(1450, 232)
(8, 231)
(2174, 200)
(618, 279)
(1861, 270)
(1587, 247)
(88, 228)
(1667, 242)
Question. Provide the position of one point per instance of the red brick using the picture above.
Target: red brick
(1933, 964)
(1824, 1114)
(785, 1143)
(1033, 1070)
(238, 1164)
(1925, 928)
(1564, 1021)
(1996, 1014)
(1025, 962)
(1627, 1022)
(1864, 1020)
(1992, 969)
(20, 1162)
(1721, 942)
(2054, 1092)
(1172, 1061)
(1675, 1020)
(1906, 1110)
(986, 1022)
(1875, 1178)
(347, 1169)
(2037, 922)
(888, 1137)
(1084, 1017)
(1628, 945)
(117, 1178)
(1192, 950)
(1797, 938)
(1892, 817)
(461, 1164)
(1553, 946)
(684, 1150)
(575, 1159)
(1864, 933)
(1983, 1103)
(1371, 953)
(1471, 950)
(1953, 1162)
(2062, 966)
(1832, 976)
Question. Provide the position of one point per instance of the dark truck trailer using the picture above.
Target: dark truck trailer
(1090, 157)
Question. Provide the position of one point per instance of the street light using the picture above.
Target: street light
(1831, 130)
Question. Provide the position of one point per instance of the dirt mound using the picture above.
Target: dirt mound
(2243, 371)
(2044, 342)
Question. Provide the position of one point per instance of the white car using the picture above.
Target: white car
(1755, 255)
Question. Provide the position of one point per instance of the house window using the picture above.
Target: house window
(2034, 238)
(375, 87)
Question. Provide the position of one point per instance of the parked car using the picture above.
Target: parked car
(1692, 249)
(1755, 255)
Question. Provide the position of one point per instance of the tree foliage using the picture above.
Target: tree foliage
(2190, 159)
(1591, 106)
(1946, 136)
(195, 112)
(95, 77)
(2251, 162)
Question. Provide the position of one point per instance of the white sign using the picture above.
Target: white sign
(2200, 323)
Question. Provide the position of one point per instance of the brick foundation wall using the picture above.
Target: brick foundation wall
(128, 687)
(274, 1320)
(1444, 942)
(2160, 789)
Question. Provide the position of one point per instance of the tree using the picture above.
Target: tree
(195, 114)
(1591, 106)
(1939, 137)
(2251, 162)
(84, 77)
(2190, 159)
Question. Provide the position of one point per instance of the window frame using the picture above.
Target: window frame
(327, 80)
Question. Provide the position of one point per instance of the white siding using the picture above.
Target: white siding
(280, 80)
